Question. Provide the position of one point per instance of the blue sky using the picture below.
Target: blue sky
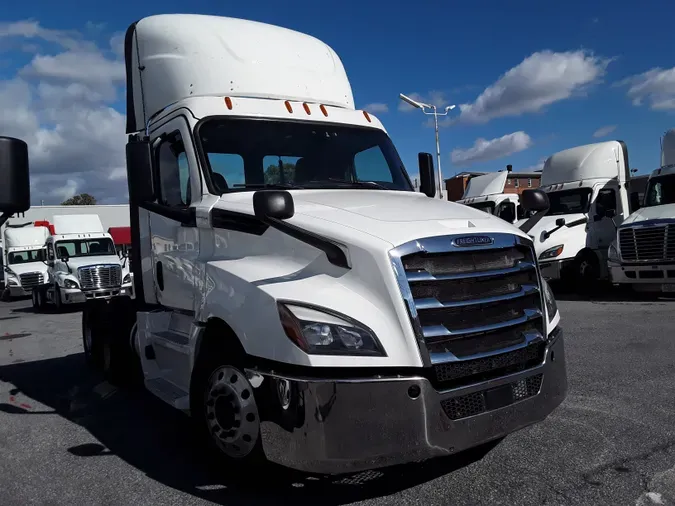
(532, 78)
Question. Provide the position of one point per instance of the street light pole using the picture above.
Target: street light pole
(430, 110)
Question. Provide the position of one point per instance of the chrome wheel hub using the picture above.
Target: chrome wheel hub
(231, 412)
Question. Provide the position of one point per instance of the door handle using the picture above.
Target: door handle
(159, 272)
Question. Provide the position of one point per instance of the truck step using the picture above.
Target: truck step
(169, 393)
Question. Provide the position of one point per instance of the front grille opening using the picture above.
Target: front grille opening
(467, 372)
(651, 274)
(438, 264)
(462, 318)
(476, 403)
(630, 274)
(481, 343)
(472, 288)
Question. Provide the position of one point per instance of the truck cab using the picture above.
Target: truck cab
(83, 263)
(587, 187)
(643, 253)
(24, 259)
(294, 294)
(486, 193)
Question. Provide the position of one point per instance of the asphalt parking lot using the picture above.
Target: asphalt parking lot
(68, 438)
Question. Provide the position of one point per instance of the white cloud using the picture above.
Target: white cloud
(484, 150)
(376, 107)
(61, 105)
(656, 86)
(604, 131)
(436, 98)
(539, 80)
(531, 168)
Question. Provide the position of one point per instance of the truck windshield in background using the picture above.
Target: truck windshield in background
(247, 153)
(25, 257)
(661, 191)
(84, 248)
(569, 201)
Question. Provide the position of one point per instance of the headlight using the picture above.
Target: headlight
(317, 332)
(69, 283)
(613, 253)
(551, 305)
(127, 279)
(552, 252)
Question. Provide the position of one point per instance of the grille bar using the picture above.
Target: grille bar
(651, 243)
(433, 303)
(443, 331)
(100, 276)
(426, 276)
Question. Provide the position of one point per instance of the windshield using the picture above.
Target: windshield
(488, 207)
(24, 257)
(661, 191)
(245, 154)
(84, 248)
(569, 201)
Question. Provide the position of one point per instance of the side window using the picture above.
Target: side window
(507, 211)
(174, 176)
(227, 170)
(605, 201)
(371, 165)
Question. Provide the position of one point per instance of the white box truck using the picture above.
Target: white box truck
(294, 294)
(24, 259)
(643, 254)
(83, 263)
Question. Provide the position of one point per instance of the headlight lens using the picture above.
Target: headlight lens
(319, 333)
(127, 279)
(69, 283)
(552, 252)
(613, 253)
(551, 304)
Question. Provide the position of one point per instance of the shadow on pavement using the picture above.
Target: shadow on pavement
(605, 292)
(156, 439)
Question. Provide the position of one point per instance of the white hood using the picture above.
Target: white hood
(488, 184)
(392, 216)
(77, 262)
(651, 213)
(573, 238)
(23, 268)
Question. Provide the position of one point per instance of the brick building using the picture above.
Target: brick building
(516, 182)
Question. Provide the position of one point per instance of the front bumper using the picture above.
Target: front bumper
(552, 270)
(645, 277)
(19, 291)
(77, 296)
(342, 426)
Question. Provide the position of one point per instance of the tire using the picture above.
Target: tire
(58, 303)
(41, 298)
(91, 339)
(586, 272)
(121, 366)
(34, 299)
(225, 413)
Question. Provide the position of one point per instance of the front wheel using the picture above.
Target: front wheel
(226, 415)
(91, 340)
(587, 272)
(58, 302)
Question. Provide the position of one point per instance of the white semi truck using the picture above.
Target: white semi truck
(294, 294)
(24, 257)
(486, 193)
(589, 190)
(643, 254)
(83, 263)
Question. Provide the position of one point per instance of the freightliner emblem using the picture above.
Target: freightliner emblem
(473, 240)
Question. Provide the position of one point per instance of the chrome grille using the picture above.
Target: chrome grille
(100, 276)
(473, 306)
(647, 243)
(31, 279)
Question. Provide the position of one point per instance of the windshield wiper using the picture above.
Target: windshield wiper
(352, 184)
(266, 185)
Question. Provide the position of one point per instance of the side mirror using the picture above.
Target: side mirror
(276, 204)
(139, 171)
(14, 180)
(560, 222)
(610, 213)
(426, 166)
(534, 200)
(634, 201)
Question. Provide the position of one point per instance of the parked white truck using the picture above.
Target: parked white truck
(643, 254)
(486, 193)
(24, 256)
(83, 263)
(589, 193)
(293, 293)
